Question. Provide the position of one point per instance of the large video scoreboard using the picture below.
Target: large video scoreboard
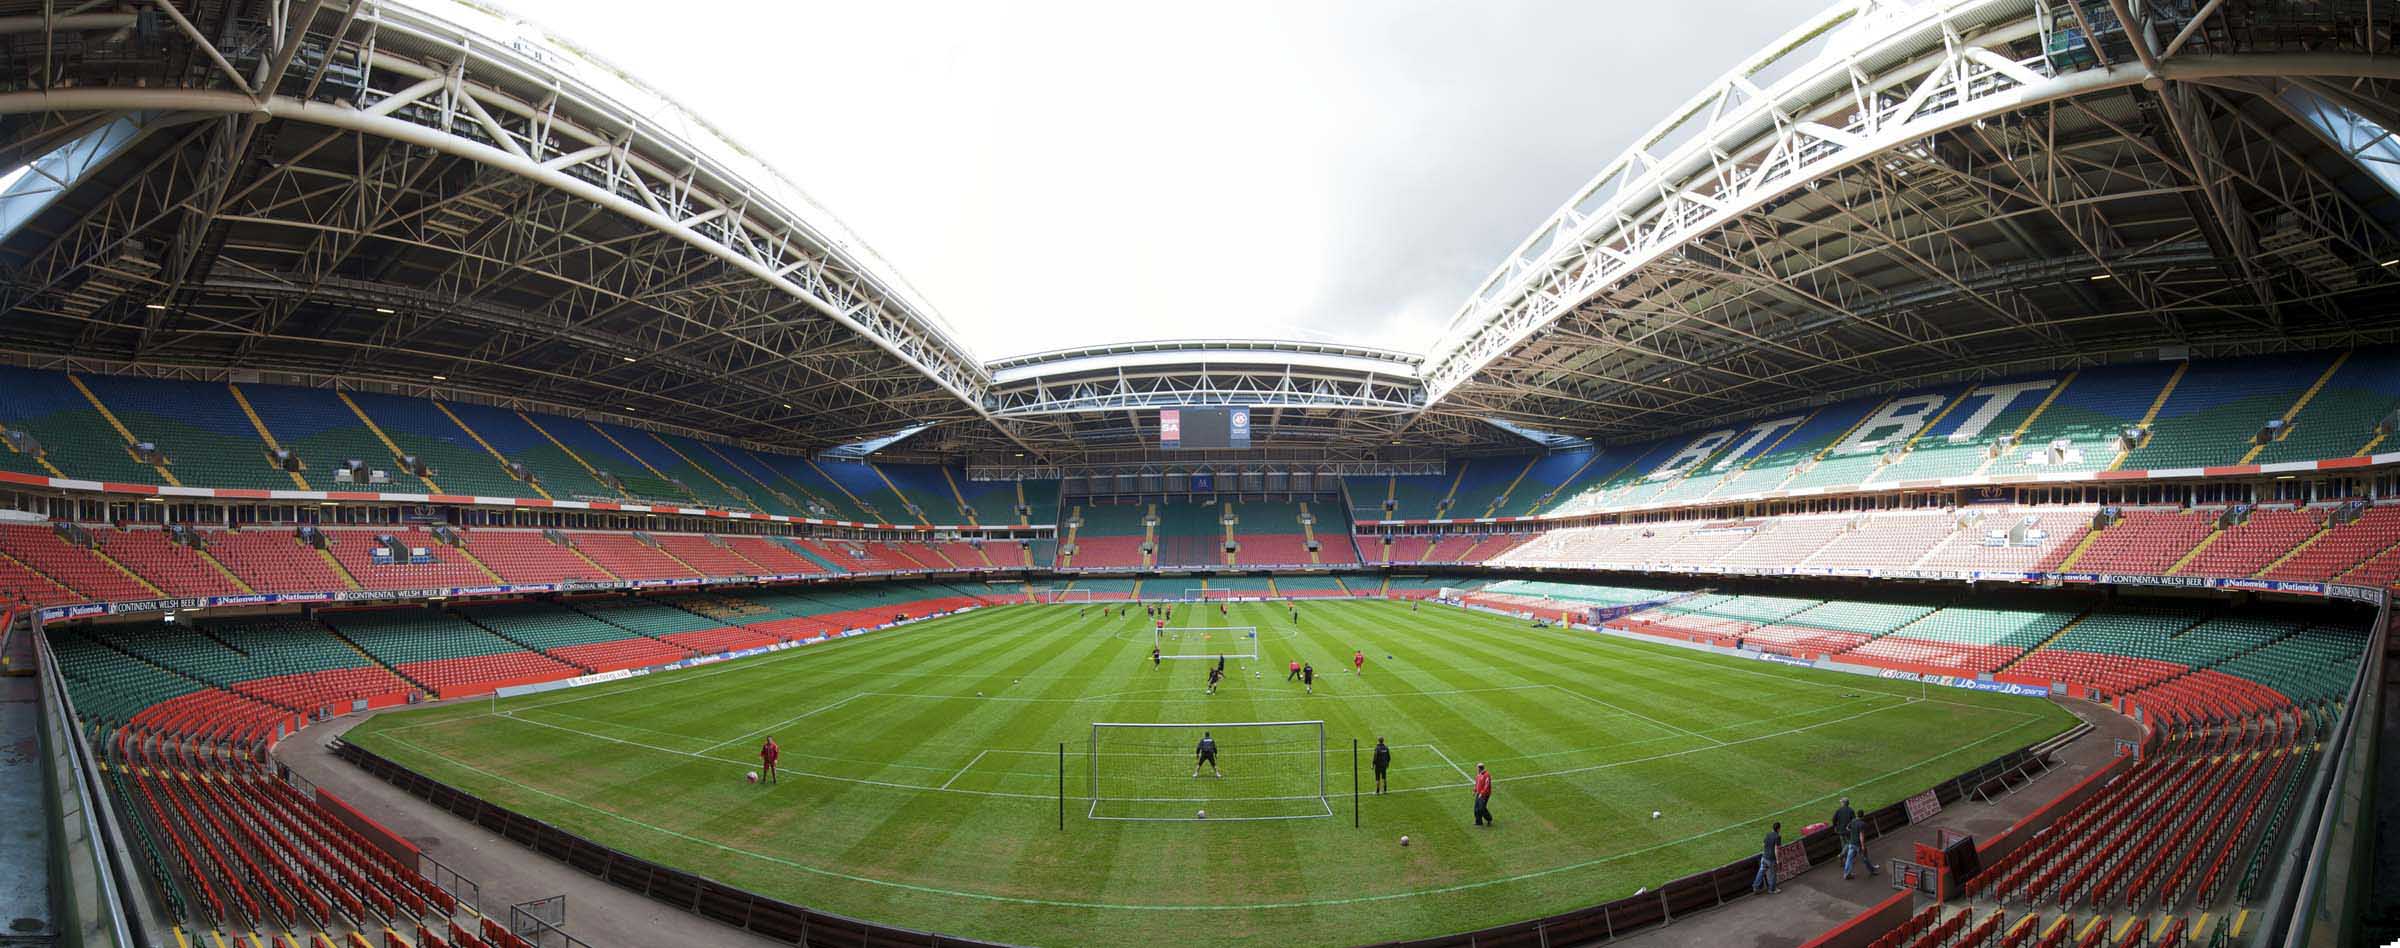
(1201, 428)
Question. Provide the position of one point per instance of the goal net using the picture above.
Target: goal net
(1197, 642)
(1067, 595)
(1197, 594)
(1265, 770)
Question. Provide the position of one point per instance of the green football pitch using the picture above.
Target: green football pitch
(922, 780)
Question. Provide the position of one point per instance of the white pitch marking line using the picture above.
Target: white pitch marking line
(785, 723)
(962, 771)
(1437, 752)
(1637, 715)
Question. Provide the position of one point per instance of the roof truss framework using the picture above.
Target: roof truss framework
(1900, 192)
(1947, 192)
(376, 192)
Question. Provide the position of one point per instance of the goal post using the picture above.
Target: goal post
(1076, 596)
(1265, 770)
(1174, 641)
(1197, 594)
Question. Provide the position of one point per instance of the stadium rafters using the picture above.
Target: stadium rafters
(1900, 192)
(406, 194)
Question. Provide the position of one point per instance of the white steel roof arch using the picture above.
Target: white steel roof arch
(1860, 81)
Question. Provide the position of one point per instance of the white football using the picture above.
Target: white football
(979, 694)
(1203, 815)
(754, 776)
(1403, 840)
(1654, 814)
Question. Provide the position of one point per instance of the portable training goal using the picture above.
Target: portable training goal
(1265, 770)
(1176, 641)
(1078, 596)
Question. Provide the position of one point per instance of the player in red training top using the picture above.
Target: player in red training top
(767, 753)
(1358, 661)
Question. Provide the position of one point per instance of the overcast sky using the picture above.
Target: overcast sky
(1059, 174)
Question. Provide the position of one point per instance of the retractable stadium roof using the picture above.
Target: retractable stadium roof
(432, 199)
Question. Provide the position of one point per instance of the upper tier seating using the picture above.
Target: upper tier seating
(2145, 541)
(2086, 418)
(607, 457)
(2248, 547)
(1483, 482)
(682, 464)
(41, 549)
(2343, 547)
(865, 486)
(628, 557)
(175, 569)
(2211, 415)
(1885, 541)
(526, 556)
(1859, 454)
(862, 557)
(420, 428)
(197, 425)
(2340, 421)
(356, 550)
(556, 474)
(801, 481)
(929, 488)
(75, 438)
(1547, 481)
(273, 559)
(1952, 445)
(773, 556)
(2010, 542)
(1776, 461)
(21, 583)
(994, 503)
(323, 433)
(706, 554)
(2220, 404)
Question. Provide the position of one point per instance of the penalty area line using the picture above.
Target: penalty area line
(962, 771)
(1639, 716)
(1437, 752)
(785, 723)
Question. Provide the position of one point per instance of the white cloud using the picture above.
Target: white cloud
(1060, 174)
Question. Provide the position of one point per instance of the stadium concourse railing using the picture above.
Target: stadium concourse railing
(92, 865)
(2322, 897)
(800, 925)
